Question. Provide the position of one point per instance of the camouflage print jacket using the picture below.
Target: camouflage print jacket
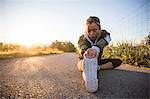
(84, 43)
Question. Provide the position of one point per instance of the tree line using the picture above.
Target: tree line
(60, 45)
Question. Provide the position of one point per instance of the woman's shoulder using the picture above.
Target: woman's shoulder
(103, 33)
(82, 40)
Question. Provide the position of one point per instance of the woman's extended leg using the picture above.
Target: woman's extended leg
(109, 63)
(80, 65)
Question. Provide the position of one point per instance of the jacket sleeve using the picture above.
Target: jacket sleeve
(104, 39)
(83, 45)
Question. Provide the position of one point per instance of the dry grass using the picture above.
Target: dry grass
(26, 52)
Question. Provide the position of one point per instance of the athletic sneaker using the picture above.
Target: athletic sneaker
(89, 74)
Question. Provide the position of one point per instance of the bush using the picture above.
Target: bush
(64, 46)
(138, 55)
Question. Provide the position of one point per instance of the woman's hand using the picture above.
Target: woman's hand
(91, 53)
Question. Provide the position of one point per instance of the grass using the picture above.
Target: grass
(20, 51)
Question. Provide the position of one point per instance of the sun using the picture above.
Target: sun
(22, 41)
(30, 39)
(27, 43)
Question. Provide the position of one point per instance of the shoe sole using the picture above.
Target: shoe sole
(90, 74)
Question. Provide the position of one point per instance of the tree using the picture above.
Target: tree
(64, 46)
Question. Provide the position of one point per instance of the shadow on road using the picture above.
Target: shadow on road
(123, 84)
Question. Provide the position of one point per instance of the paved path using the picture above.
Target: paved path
(57, 77)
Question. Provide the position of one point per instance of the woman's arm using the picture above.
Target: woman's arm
(83, 45)
(104, 40)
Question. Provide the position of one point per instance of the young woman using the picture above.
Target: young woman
(90, 48)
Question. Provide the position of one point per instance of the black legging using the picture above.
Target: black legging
(115, 62)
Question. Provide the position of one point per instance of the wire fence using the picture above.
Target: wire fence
(136, 25)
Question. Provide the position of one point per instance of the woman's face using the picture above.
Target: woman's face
(93, 30)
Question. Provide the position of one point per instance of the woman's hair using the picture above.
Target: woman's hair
(92, 19)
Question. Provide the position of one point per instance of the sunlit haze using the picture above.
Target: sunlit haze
(43, 21)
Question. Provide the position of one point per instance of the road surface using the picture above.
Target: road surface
(57, 77)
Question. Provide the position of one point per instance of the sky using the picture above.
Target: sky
(43, 21)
